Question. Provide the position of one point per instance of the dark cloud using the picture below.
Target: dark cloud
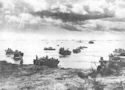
(1, 5)
(99, 27)
(72, 17)
(70, 27)
(114, 19)
(117, 29)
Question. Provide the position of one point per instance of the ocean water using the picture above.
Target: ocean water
(88, 58)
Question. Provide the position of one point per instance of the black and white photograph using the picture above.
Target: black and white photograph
(62, 44)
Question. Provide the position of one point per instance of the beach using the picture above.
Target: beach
(16, 77)
(62, 45)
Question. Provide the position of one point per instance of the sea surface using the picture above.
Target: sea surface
(88, 58)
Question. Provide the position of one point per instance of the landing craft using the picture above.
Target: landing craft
(64, 52)
(45, 61)
(119, 52)
(49, 48)
(18, 55)
(9, 52)
(91, 42)
(113, 65)
(82, 47)
(77, 50)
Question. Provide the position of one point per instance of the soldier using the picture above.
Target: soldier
(35, 60)
(21, 62)
(22, 54)
(99, 68)
(46, 56)
(101, 58)
(36, 57)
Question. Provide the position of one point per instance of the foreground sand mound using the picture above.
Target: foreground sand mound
(27, 77)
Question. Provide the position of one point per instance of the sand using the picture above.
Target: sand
(27, 77)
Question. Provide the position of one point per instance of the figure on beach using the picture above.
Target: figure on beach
(21, 62)
(35, 60)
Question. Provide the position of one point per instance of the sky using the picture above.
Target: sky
(63, 16)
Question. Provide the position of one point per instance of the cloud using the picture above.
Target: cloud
(1, 5)
(68, 14)
(70, 27)
(118, 29)
(105, 25)
(37, 5)
(72, 17)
